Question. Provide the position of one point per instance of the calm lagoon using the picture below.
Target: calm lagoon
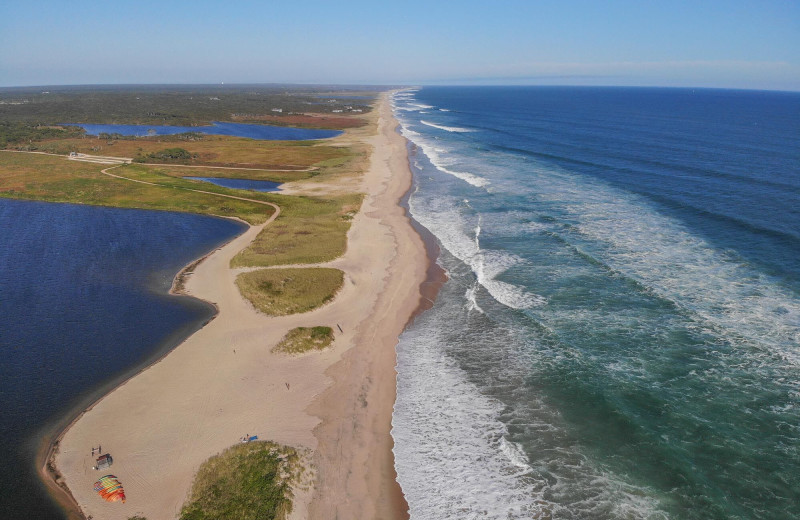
(240, 184)
(84, 304)
(261, 132)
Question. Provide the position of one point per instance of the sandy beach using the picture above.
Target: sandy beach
(224, 381)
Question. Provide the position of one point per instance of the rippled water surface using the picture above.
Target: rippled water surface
(619, 336)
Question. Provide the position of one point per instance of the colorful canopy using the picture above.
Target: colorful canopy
(110, 489)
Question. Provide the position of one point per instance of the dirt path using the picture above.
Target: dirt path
(277, 208)
(309, 169)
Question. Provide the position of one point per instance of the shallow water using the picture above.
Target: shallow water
(240, 184)
(619, 335)
(263, 132)
(83, 302)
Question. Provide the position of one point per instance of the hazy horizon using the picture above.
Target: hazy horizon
(736, 44)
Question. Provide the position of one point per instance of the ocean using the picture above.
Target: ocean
(83, 304)
(619, 335)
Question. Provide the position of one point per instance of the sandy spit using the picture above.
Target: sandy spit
(224, 382)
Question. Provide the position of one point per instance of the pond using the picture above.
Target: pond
(261, 132)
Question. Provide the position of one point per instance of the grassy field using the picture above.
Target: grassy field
(305, 339)
(245, 482)
(206, 150)
(304, 120)
(308, 230)
(279, 292)
(55, 179)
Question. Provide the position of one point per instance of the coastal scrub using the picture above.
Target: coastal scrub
(305, 339)
(245, 482)
(308, 230)
(279, 292)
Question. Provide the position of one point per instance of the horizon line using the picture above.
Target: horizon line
(389, 86)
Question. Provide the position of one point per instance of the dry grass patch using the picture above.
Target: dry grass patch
(304, 339)
(55, 179)
(208, 150)
(278, 292)
(308, 231)
(250, 481)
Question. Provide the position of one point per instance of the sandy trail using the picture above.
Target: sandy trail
(224, 382)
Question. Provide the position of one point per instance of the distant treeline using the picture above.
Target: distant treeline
(170, 105)
(16, 133)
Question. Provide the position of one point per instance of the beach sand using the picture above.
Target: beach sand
(224, 382)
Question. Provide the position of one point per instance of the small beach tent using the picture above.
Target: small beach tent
(110, 489)
(104, 461)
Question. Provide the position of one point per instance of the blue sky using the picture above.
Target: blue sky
(737, 44)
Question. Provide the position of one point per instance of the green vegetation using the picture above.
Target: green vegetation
(55, 179)
(21, 135)
(308, 230)
(216, 151)
(168, 105)
(303, 339)
(278, 292)
(168, 155)
(245, 482)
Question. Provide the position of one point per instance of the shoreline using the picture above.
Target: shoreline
(49, 475)
(159, 442)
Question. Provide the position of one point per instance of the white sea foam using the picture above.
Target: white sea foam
(515, 455)
(456, 129)
(420, 105)
(444, 219)
(735, 302)
(444, 110)
(472, 302)
(449, 444)
(435, 154)
(454, 457)
(437, 158)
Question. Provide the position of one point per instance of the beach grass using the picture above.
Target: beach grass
(55, 179)
(279, 292)
(304, 339)
(308, 230)
(249, 481)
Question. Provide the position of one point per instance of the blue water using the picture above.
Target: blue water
(262, 132)
(620, 333)
(83, 301)
(240, 184)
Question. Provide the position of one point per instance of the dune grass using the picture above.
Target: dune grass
(308, 230)
(305, 339)
(245, 482)
(279, 292)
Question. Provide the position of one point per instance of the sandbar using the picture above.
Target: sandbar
(224, 382)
